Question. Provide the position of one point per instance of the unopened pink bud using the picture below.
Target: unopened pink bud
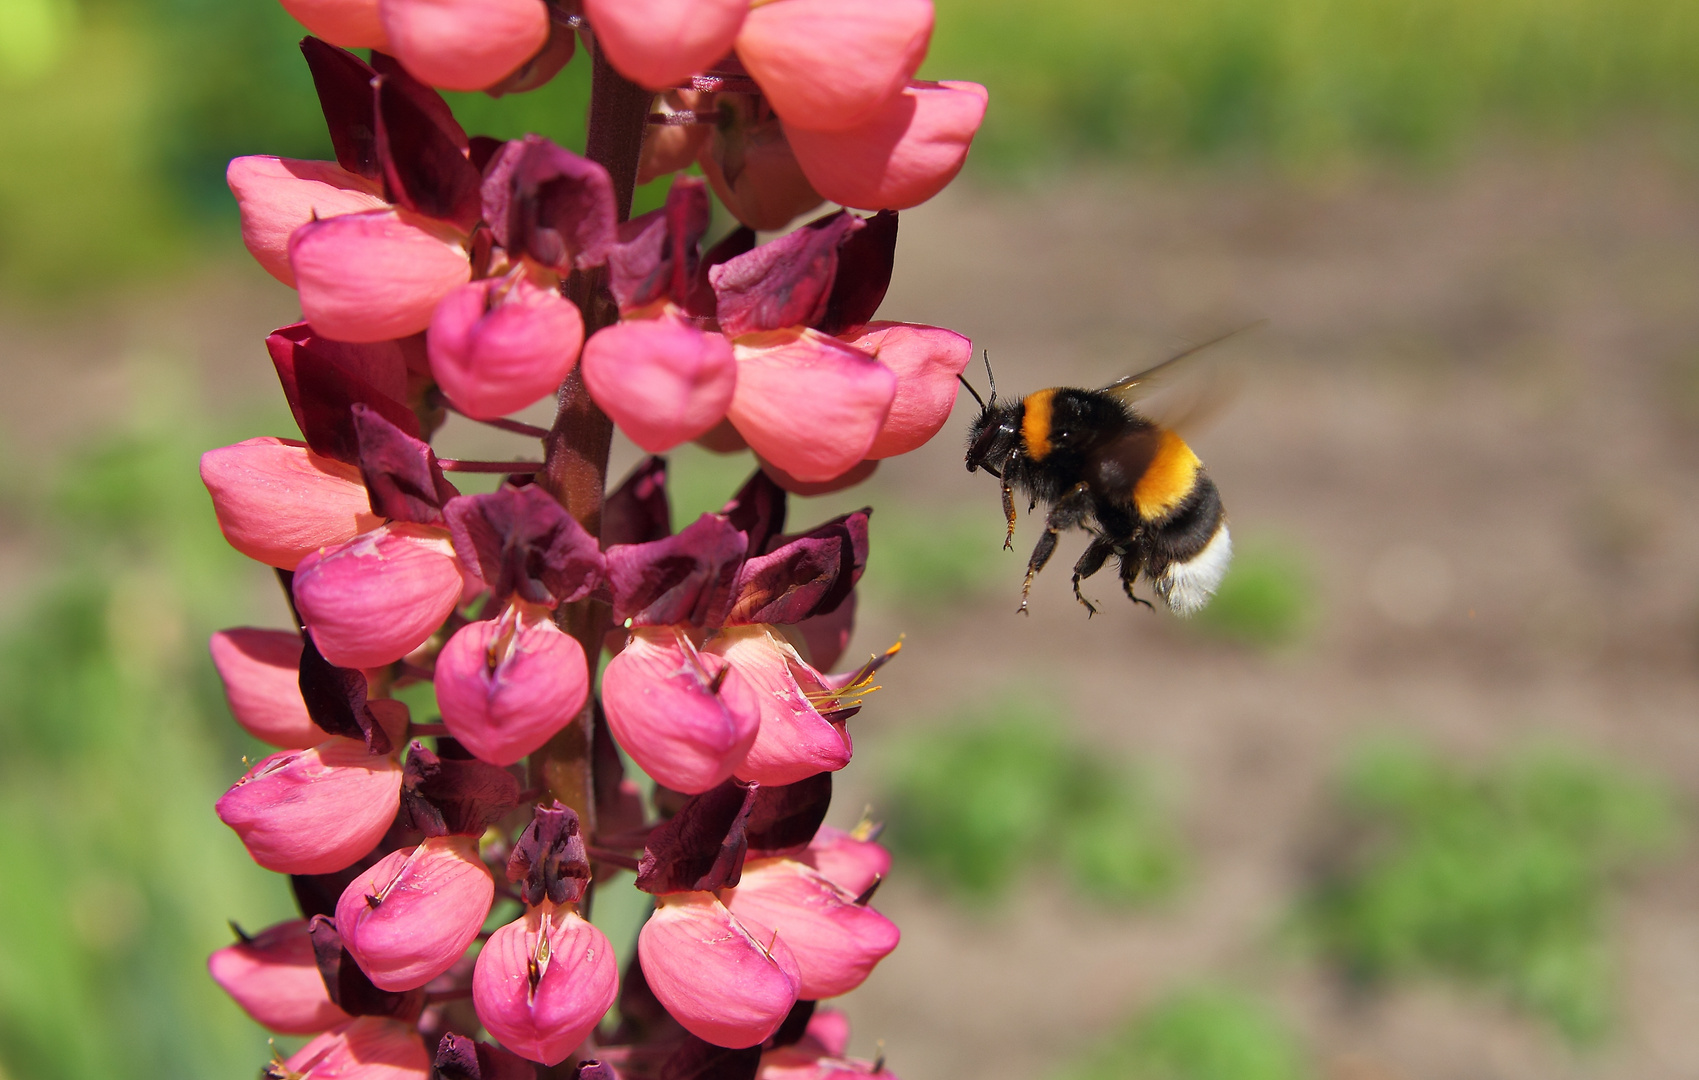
(903, 155)
(835, 940)
(685, 717)
(655, 43)
(275, 979)
(829, 64)
(260, 670)
(464, 44)
(850, 863)
(365, 1048)
(543, 982)
(374, 276)
(277, 503)
(276, 196)
(375, 599)
(714, 977)
(349, 24)
(314, 811)
(926, 361)
(663, 382)
(505, 686)
(795, 740)
(497, 345)
(409, 917)
(750, 166)
(808, 403)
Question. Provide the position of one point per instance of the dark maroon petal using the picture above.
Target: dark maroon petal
(459, 1057)
(397, 79)
(685, 578)
(638, 511)
(795, 1026)
(656, 255)
(524, 543)
(317, 894)
(758, 511)
(347, 984)
(864, 273)
(785, 282)
(549, 860)
(336, 699)
(424, 170)
(344, 85)
(321, 382)
(700, 301)
(550, 204)
(701, 848)
(453, 796)
(403, 479)
(483, 150)
(785, 818)
(696, 1059)
(809, 575)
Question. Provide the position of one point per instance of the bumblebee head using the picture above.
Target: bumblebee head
(994, 436)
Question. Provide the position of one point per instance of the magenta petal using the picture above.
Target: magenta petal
(851, 864)
(795, 741)
(374, 276)
(276, 196)
(505, 686)
(809, 404)
(666, 711)
(314, 811)
(835, 940)
(275, 980)
(656, 43)
(278, 503)
(926, 361)
(716, 979)
(375, 599)
(829, 64)
(365, 1048)
(576, 985)
(429, 904)
(464, 44)
(663, 382)
(260, 670)
(906, 153)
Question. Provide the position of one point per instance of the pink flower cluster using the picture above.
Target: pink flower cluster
(439, 874)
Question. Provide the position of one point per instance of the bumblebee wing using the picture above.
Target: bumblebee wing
(1134, 388)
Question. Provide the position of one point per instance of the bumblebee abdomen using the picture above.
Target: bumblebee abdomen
(1170, 477)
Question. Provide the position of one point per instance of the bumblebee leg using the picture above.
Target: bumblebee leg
(1090, 563)
(1132, 562)
(1069, 511)
(1008, 512)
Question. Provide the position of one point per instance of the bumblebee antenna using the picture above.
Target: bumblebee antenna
(989, 377)
(971, 390)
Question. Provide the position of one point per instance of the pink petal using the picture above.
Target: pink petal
(350, 24)
(432, 900)
(314, 811)
(829, 64)
(663, 382)
(374, 276)
(365, 1048)
(277, 502)
(260, 670)
(858, 472)
(666, 712)
(809, 404)
(926, 361)
(577, 984)
(505, 688)
(847, 862)
(900, 157)
(722, 984)
(276, 196)
(656, 43)
(464, 44)
(275, 979)
(751, 168)
(829, 1029)
(795, 741)
(494, 350)
(836, 941)
(375, 599)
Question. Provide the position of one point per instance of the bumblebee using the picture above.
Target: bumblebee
(1130, 482)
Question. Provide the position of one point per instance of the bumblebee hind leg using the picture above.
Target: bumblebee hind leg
(1068, 512)
(1090, 563)
(1132, 563)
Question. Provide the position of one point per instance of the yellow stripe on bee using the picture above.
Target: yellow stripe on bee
(1167, 480)
(1035, 424)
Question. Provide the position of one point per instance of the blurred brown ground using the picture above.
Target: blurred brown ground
(1474, 409)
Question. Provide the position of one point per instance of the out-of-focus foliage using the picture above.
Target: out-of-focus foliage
(1497, 876)
(1198, 1034)
(986, 801)
(929, 558)
(118, 879)
(1265, 599)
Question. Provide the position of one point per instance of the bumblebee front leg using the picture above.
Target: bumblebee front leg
(1090, 563)
(1008, 511)
(1068, 512)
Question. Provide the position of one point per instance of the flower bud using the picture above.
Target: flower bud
(667, 148)
(543, 982)
(505, 686)
(828, 65)
(314, 811)
(409, 917)
(846, 861)
(277, 502)
(260, 670)
(374, 276)
(685, 717)
(275, 979)
(808, 403)
(712, 975)
(464, 44)
(349, 24)
(809, 489)
(750, 166)
(795, 740)
(835, 940)
(926, 361)
(375, 599)
(497, 346)
(655, 43)
(903, 155)
(663, 382)
(365, 1048)
(276, 196)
